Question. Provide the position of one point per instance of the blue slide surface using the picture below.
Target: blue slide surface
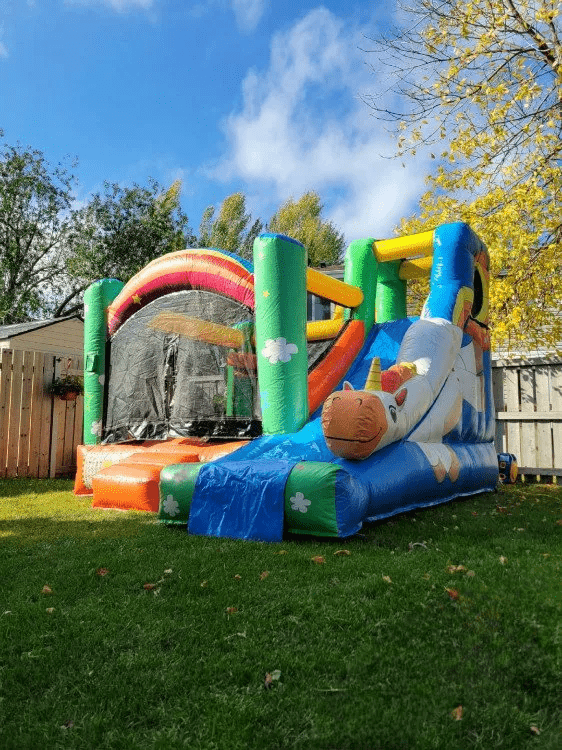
(245, 495)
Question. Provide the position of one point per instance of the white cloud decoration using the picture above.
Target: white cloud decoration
(96, 428)
(171, 506)
(299, 502)
(278, 350)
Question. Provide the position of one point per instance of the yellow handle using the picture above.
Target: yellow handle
(322, 330)
(333, 289)
(215, 333)
(194, 328)
(420, 268)
(404, 247)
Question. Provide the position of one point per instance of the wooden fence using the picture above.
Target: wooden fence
(38, 432)
(528, 400)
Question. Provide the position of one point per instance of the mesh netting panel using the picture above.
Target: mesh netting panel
(183, 366)
(317, 350)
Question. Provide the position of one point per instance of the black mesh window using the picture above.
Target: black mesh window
(183, 366)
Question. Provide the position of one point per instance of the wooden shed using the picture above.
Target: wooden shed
(60, 336)
(38, 432)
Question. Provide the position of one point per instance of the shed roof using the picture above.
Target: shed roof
(17, 329)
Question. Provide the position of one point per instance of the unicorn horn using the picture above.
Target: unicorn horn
(373, 382)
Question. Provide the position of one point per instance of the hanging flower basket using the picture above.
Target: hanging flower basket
(69, 396)
(67, 387)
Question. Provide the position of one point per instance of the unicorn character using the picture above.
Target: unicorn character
(357, 423)
(418, 400)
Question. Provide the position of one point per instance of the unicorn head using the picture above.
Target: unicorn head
(357, 423)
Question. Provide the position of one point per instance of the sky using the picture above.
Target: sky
(258, 96)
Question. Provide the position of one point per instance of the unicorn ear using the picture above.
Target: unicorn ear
(400, 397)
(347, 386)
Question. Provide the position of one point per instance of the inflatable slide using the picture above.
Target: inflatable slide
(210, 398)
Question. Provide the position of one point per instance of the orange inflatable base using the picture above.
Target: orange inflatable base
(127, 487)
(126, 476)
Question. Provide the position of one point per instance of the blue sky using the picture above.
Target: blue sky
(260, 96)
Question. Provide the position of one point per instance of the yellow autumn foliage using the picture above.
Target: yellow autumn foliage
(484, 79)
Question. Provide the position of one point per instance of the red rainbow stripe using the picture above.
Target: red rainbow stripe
(207, 271)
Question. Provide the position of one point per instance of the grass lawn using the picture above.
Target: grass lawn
(437, 629)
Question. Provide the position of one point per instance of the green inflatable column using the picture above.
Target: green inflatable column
(361, 270)
(391, 292)
(97, 298)
(280, 288)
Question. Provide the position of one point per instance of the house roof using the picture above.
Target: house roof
(17, 329)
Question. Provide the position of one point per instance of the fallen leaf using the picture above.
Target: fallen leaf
(237, 577)
(318, 559)
(167, 572)
(456, 713)
(281, 552)
(456, 568)
(264, 575)
(271, 677)
(102, 571)
(559, 523)
(204, 584)
(535, 730)
(474, 513)
(387, 579)
(50, 610)
(342, 553)
(411, 545)
(46, 590)
(231, 610)
(453, 593)
(503, 560)
(68, 724)
(149, 586)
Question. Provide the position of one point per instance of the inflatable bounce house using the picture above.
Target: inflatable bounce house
(210, 399)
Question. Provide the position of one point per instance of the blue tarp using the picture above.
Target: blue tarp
(240, 499)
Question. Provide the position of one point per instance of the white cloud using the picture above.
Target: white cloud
(248, 13)
(303, 127)
(3, 50)
(121, 6)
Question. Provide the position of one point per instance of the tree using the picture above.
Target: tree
(229, 231)
(121, 230)
(302, 220)
(484, 78)
(247, 249)
(35, 202)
